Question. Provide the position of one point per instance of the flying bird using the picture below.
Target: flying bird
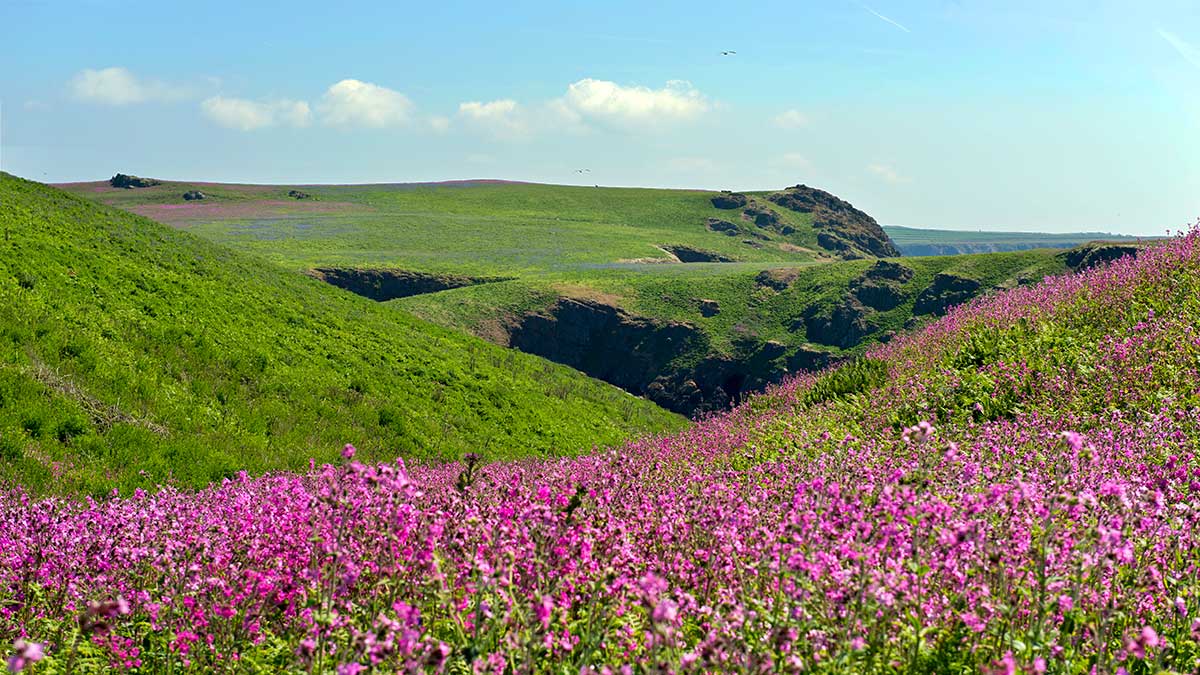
(583, 170)
(729, 52)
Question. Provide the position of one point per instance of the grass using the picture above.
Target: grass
(554, 241)
(132, 354)
(915, 241)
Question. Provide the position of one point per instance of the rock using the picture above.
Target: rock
(718, 225)
(839, 218)
(832, 242)
(193, 195)
(388, 284)
(777, 279)
(762, 217)
(946, 291)
(729, 200)
(751, 243)
(1096, 253)
(884, 269)
(772, 349)
(709, 307)
(843, 327)
(125, 181)
(880, 295)
(296, 194)
(688, 254)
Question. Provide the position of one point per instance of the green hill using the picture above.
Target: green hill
(689, 298)
(131, 354)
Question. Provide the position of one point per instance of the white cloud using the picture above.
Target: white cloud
(791, 119)
(608, 101)
(887, 173)
(439, 124)
(118, 86)
(1188, 51)
(504, 119)
(246, 115)
(355, 103)
(881, 17)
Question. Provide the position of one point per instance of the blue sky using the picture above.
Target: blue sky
(1053, 116)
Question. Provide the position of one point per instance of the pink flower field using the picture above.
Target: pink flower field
(1014, 489)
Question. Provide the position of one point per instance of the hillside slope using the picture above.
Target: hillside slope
(691, 298)
(1015, 488)
(130, 353)
(914, 241)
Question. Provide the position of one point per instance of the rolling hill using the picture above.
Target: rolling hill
(132, 354)
(689, 298)
(914, 241)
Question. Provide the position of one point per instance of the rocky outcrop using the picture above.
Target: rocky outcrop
(844, 326)
(129, 182)
(708, 307)
(729, 200)
(193, 195)
(1096, 253)
(296, 194)
(388, 284)
(946, 291)
(724, 226)
(879, 287)
(688, 254)
(843, 225)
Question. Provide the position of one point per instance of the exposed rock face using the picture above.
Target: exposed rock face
(642, 355)
(125, 181)
(879, 287)
(193, 195)
(296, 194)
(877, 295)
(709, 307)
(845, 225)
(778, 279)
(718, 225)
(384, 284)
(688, 254)
(729, 200)
(946, 291)
(1090, 255)
(764, 218)
(893, 271)
(845, 326)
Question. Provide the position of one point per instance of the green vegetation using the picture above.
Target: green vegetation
(781, 304)
(132, 354)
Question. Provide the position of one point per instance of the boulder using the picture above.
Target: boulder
(296, 194)
(885, 269)
(762, 217)
(129, 182)
(709, 307)
(193, 195)
(729, 200)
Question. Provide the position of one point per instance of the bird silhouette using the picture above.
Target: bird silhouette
(583, 170)
(728, 52)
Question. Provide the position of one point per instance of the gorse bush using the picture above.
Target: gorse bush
(892, 527)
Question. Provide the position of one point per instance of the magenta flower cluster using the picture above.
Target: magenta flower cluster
(997, 506)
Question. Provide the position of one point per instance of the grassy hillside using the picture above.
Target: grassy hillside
(578, 274)
(1013, 489)
(130, 353)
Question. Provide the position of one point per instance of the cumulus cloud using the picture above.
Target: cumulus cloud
(791, 119)
(439, 124)
(608, 101)
(118, 86)
(351, 103)
(887, 173)
(504, 118)
(247, 115)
